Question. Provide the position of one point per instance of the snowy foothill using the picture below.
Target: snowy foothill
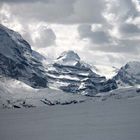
(16, 94)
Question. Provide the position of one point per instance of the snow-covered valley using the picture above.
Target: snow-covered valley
(106, 120)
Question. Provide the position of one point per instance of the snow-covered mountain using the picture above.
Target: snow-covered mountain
(24, 74)
(129, 75)
(70, 74)
(18, 60)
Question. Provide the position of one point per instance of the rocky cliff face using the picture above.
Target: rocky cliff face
(17, 60)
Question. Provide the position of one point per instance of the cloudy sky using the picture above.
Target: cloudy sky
(105, 32)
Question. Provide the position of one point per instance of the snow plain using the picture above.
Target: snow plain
(106, 120)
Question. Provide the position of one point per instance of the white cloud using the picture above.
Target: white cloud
(45, 37)
(129, 29)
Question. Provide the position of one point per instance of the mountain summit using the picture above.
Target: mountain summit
(12, 45)
(69, 55)
(69, 58)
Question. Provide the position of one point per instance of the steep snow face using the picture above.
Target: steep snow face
(71, 74)
(129, 74)
(17, 60)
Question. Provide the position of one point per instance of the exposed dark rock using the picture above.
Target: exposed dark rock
(17, 60)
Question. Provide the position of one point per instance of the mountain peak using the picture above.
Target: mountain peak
(18, 61)
(14, 35)
(132, 67)
(71, 55)
(68, 58)
(129, 74)
(133, 63)
(3, 27)
(12, 43)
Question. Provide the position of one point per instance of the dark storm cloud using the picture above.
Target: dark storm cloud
(124, 9)
(129, 28)
(98, 37)
(45, 37)
(124, 46)
(23, 1)
(59, 11)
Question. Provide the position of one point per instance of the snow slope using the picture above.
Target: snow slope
(16, 94)
(120, 93)
(108, 120)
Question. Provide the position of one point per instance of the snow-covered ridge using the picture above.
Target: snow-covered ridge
(133, 67)
(129, 75)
